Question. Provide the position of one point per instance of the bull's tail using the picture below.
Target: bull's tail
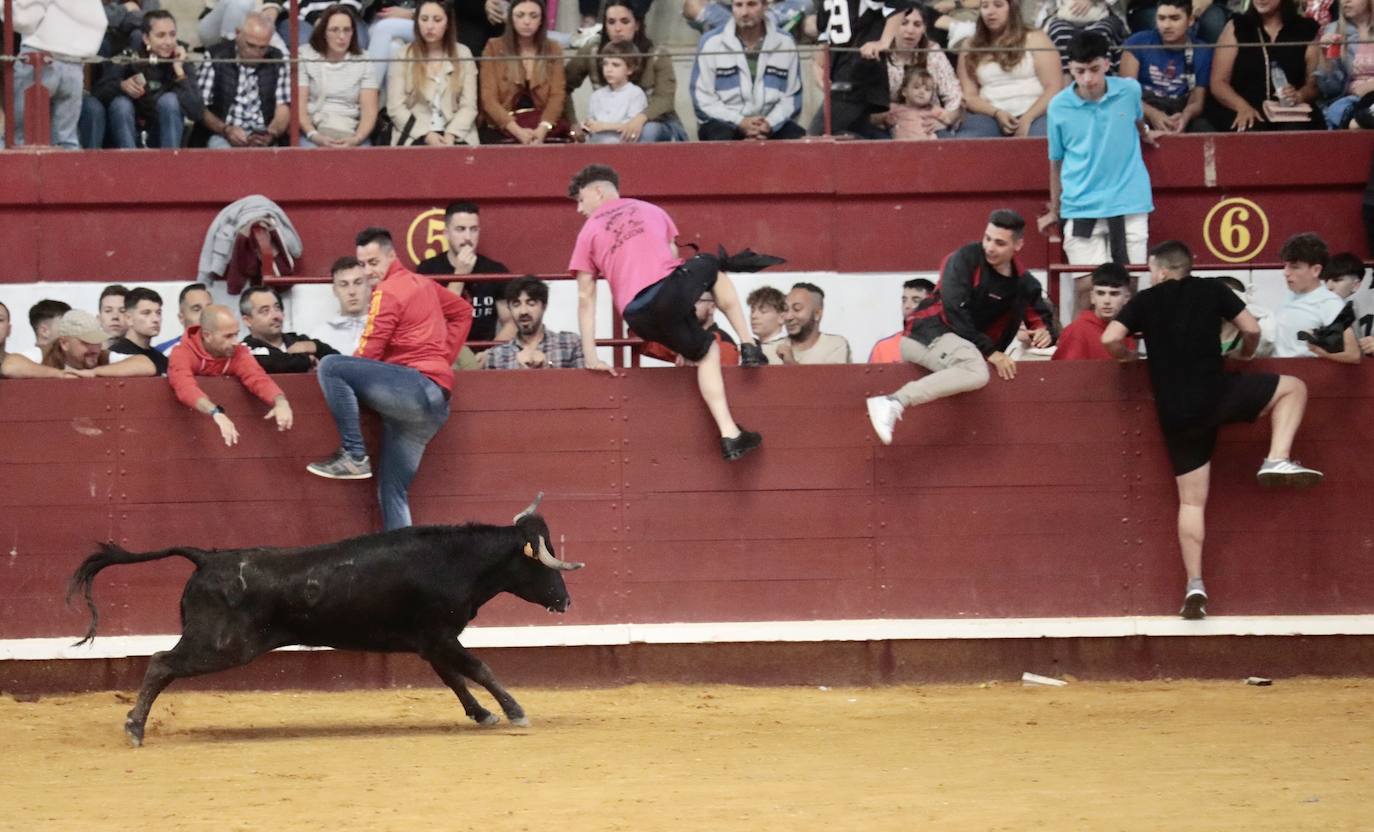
(111, 555)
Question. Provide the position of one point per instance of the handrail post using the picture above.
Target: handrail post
(293, 49)
(825, 90)
(617, 331)
(37, 106)
(7, 74)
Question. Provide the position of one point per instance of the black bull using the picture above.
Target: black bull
(406, 591)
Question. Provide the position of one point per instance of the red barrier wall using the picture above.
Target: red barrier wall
(1046, 496)
(844, 206)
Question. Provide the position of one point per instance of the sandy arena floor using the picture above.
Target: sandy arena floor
(1151, 756)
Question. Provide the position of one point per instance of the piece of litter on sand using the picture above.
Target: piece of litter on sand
(1029, 678)
(1259, 681)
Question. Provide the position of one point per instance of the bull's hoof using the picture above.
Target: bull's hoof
(135, 732)
(487, 720)
(521, 721)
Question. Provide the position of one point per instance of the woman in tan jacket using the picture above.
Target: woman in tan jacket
(432, 100)
(532, 83)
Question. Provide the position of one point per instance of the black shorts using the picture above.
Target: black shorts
(1243, 398)
(666, 311)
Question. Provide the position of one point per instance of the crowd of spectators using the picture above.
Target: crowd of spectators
(402, 72)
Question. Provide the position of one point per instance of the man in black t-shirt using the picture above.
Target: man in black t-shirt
(491, 320)
(1180, 318)
(143, 317)
(858, 81)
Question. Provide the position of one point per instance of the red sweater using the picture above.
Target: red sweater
(415, 322)
(189, 359)
(1082, 339)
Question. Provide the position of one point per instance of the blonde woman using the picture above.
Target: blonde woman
(431, 98)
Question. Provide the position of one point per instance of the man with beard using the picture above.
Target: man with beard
(276, 350)
(805, 343)
(78, 350)
(533, 346)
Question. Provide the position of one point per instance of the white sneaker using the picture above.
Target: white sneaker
(1280, 472)
(884, 412)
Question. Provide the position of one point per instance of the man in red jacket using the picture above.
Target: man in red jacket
(1082, 339)
(213, 349)
(402, 369)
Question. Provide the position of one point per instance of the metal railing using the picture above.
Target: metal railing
(620, 336)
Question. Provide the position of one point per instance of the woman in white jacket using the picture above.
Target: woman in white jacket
(432, 100)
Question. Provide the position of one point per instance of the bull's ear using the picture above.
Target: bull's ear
(529, 550)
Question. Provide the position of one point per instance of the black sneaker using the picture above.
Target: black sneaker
(751, 355)
(734, 447)
(1194, 605)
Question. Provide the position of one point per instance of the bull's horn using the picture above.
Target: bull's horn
(530, 510)
(546, 557)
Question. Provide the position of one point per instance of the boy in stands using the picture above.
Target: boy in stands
(1082, 339)
(631, 243)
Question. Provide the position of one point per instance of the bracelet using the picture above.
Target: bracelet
(215, 411)
(547, 125)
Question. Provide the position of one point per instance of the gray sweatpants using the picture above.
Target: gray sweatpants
(956, 366)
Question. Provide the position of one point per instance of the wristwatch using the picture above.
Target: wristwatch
(547, 125)
(215, 411)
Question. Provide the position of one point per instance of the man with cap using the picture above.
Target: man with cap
(78, 352)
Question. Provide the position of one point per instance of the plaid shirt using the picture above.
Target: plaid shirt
(562, 351)
(246, 111)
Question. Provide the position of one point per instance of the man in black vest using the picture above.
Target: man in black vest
(246, 105)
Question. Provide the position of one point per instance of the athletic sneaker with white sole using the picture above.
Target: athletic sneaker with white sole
(1287, 472)
(1194, 604)
(884, 412)
(341, 466)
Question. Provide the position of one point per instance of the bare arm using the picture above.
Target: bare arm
(1249, 334)
(1114, 339)
(21, 366)
(1350, 350)
(132, 367)
(586, 321)
(1051, 75)
(972, 100)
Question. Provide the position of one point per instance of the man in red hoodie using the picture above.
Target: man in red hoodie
(1082, 339)
(213, 349)
(402, 369)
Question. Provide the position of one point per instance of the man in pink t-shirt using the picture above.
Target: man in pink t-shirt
(632, 244)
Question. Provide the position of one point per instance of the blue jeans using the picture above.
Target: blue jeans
(412, 407)
(666, 129)
(124, 123)
(65, 83)
(90, 128)
(979, 126)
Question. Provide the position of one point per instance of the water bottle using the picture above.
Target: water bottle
(1278, 76)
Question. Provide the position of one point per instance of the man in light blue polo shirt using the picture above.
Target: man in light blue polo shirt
(1098, 181)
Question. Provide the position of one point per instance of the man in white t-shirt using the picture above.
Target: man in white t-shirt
(805, 343)
(1311, 305)
(353, 289)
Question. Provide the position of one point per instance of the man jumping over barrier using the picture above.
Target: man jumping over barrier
(632, 244)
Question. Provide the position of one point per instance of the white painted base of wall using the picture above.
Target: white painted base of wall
(736, 632)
